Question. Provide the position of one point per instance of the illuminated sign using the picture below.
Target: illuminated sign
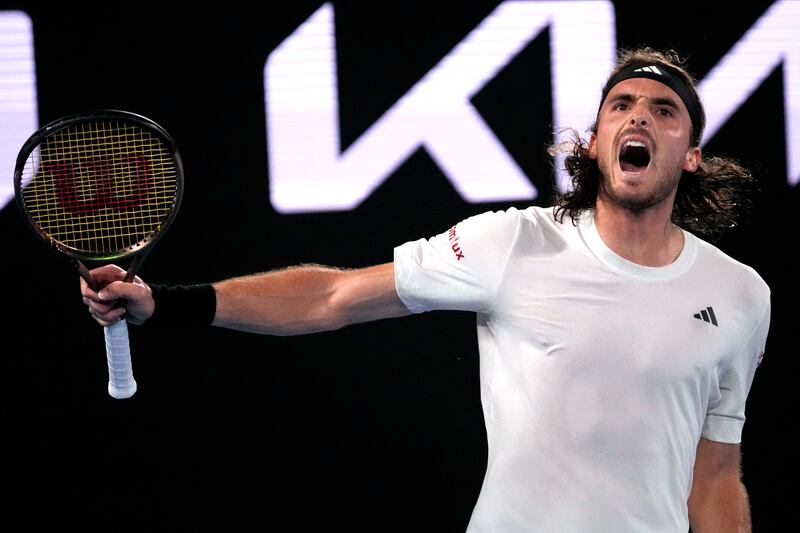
(18, 108)
(309, 172)
(771, 42)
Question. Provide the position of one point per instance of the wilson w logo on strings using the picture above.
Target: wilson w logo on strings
(83, 188)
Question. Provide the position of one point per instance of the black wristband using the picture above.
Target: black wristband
(183, 304)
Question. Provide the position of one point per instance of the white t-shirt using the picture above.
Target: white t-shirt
(598, 375)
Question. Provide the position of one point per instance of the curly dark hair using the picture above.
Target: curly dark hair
(708, 201)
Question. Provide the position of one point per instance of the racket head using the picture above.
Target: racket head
(99, 186)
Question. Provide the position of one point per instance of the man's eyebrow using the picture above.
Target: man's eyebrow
(666, 101)
(658, 100)
(625, 97)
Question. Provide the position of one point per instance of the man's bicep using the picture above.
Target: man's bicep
(368, 294)
(717, 458)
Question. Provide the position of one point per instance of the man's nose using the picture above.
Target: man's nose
(640, 115)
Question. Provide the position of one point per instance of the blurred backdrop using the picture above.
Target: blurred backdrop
(330, 133)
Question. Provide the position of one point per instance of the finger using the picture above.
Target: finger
(109, 317)
(100, 308)
(107, 274)
(108, 270)
(119, 290)
(87, 292)
(100, 277)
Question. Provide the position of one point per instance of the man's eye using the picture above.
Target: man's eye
(665, 112)
(620, 106)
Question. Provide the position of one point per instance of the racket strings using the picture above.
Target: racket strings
(100, 188)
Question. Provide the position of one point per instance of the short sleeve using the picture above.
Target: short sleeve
(459, 269)
(725, 421)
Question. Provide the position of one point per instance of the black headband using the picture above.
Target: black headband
(661, 74)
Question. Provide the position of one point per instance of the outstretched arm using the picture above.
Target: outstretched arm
(718, 501)
(306, 299)
(291, 301)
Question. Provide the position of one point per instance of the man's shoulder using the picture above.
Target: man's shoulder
(536, 216)
(731, 269)
(531, 224)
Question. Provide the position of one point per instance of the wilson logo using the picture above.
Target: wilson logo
(119, 184)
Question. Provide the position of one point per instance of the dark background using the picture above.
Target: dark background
(376, 427)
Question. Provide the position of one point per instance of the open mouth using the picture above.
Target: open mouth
(634, 157)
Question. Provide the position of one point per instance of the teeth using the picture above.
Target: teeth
(635, 143)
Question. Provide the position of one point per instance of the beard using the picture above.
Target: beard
(664, 185)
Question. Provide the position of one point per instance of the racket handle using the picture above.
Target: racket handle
(118, 352)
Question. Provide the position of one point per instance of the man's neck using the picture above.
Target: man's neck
(646, 237)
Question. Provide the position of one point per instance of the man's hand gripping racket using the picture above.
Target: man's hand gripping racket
(101, 186)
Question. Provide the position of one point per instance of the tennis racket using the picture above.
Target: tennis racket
(101, 186)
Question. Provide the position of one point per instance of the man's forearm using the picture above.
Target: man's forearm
(720, 507)
(282, 302)
(746, 524)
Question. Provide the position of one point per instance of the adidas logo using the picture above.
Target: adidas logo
(707, 315)
(654, 70)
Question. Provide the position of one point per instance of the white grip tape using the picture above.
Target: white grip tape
(118, 352)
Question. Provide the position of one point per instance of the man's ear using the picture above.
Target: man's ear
(593, 146)
(693, 157)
